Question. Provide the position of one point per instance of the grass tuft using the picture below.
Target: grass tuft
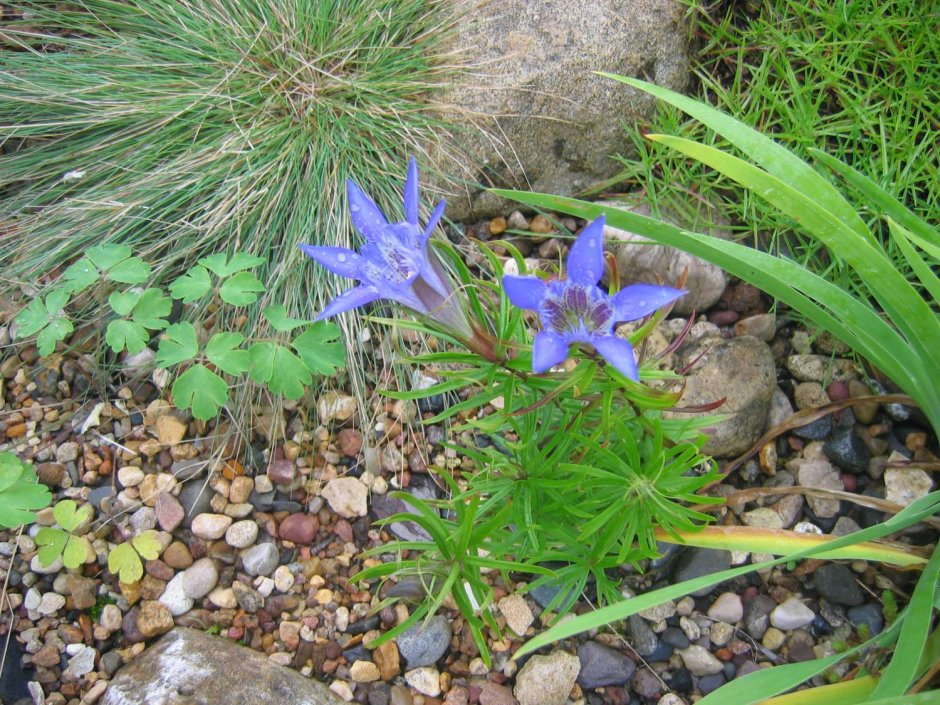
(184, 128)
(856, 80)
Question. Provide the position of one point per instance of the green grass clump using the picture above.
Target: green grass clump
(184, 128)
(858, 80)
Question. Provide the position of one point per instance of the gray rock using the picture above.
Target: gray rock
(190, 661)
(200, 578)
(195, 498)
(81, 663)
(905, 485)
(550, 123)
(742, 372)
(869, 615)
(757, 615)
(424, 643)
(638, 262)
(175, 598)
(261, 559)
(547, 680)
(820, 474)
(846, 449)
(791, 614)
(385, 505)
(601, 665)
(647, 684)
(836, 583)
(640, 636)
(727, 608)
(700, 661)
(696, 562)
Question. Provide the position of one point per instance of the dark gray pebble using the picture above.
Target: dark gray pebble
(601, 665)
(836, 583)
(817, 430)
(757, 615)
(424, 643)
(707, 684)
(846, 449)
(696, 562)
(679, 680)
(641, 636)
(675, 637)
(869, 615)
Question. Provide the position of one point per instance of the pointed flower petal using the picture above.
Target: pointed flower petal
(586, 258)
(638, 300)
(524, 292)
(349, 299)
(411, 192)
(549, 349)
(338, 260)
(365, 215)
(435, 217)
(619, 353)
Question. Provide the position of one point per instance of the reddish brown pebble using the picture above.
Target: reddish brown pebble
(724, 654)
(723, 318)
(281, 471)
(838, 391)
(794, 443)
(849, 482)
(343, 529)
(299, 528)
(349, 442)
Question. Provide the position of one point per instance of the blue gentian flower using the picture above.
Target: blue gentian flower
(394, 263)
(576, 310)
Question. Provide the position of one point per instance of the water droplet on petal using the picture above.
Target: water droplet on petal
(590, 242)
(341, 257)
(642, 302)
(353, 208)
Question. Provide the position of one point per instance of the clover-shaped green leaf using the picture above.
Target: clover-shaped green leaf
(223, 267)
(241, 289)
(47, 317)
(192, 285)
(124, 559)
(151, 309)
(70, 516)
(77, 551)
(223, 352)
(20, 492)
(178, 345)
(122, 303)
(111, 261)
(126, 335)
(279, 368)
(52, 543)
(201, 390)
(280, 321)
(320, 348)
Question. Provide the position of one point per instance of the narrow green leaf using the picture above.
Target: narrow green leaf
(201, 390)
(192, 285)
(241, 289)
(178, 345)
(224, 352)
(900, 673)
(924, 272)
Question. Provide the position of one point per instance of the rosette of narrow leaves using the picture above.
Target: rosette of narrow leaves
(21, 493)
(74, 548)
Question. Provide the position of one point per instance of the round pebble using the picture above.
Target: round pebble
(210, 526)
(261, 559)
(241, 534)
(200, 578)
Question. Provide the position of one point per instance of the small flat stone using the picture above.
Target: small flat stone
(727, 608)
(154, 619)
(223, 597)
(177, 556)
(791, 614)
(174, 597)
(130, 476)
(170, 429)
(905, 485)
(757, 615)
(81, 662)
(386, 657)
(364, 672)
(836, 583)
(425, 642)
(169, 511)
(600, 665)
(333, 406)
(700, 661)
(282, 471)
(51, 603)
(495, 694)
(517, 613)
(848, 451)
(110, 618)
(200, 578)
(547, 680)
(299, 527)
(261, 559)
(347, 496)
(241, 534)
(283, 578)
(426, 680)
(240, 489)
(764, 518)
(210, 526)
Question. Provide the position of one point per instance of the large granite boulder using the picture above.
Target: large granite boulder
(188, 666)
(536, 115)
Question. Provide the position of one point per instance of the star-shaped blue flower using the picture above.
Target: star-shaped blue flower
(576, 310)
(395, 261)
